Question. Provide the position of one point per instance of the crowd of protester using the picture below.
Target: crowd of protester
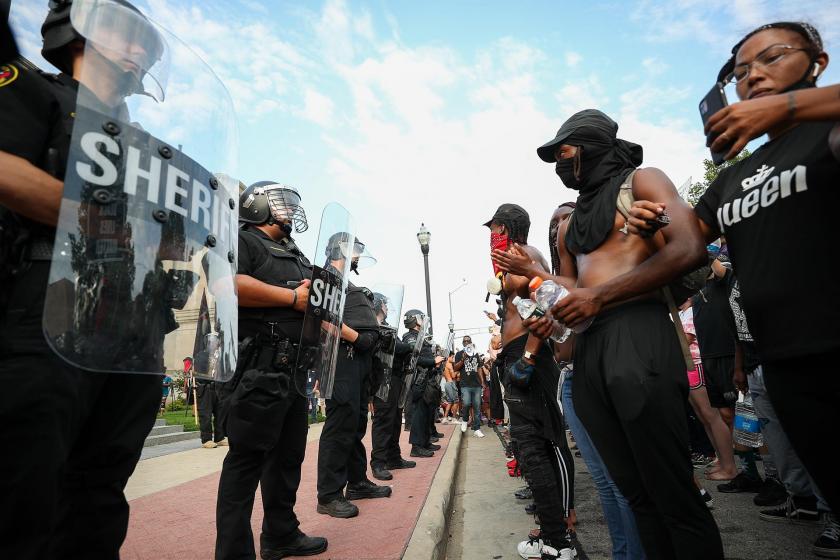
(673, 388)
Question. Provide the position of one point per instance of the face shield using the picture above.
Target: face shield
(130, 43)
(284, 203)
(361, 257)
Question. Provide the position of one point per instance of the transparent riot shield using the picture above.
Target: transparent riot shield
(412, 361)
(321, 332)
(387, 303)
(146, 245)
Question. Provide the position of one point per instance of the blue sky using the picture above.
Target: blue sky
(410, 112)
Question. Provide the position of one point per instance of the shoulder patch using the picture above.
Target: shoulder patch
(8, 74)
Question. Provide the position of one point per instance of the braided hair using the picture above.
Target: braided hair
(517, 229)
(813, 41)
(553, 226)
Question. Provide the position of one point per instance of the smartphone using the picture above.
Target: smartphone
(714, 101)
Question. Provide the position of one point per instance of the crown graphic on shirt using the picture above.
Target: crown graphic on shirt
(761, 174)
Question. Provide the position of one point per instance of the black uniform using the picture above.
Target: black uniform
(209, 411)
(342, 458)
(385, 432)
(422, 420)
(71, 438)
(267, 420)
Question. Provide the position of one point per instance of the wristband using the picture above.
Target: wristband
(791, 99)
(294, 298)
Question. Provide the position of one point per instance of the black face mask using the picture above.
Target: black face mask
(576, 171)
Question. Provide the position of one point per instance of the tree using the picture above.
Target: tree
(710, 173)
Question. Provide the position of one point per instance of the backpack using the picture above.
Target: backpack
(678, 290)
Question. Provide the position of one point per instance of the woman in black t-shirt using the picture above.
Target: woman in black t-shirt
(778, 210)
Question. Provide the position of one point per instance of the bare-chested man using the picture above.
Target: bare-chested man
(630, 385)
(535, 417)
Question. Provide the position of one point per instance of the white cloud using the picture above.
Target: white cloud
(654, 66)
(317, 108)
(573, 59)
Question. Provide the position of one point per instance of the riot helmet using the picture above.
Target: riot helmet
(338, 247)
(268, 202)
(380, 304)
(125, 39)
(412, 318)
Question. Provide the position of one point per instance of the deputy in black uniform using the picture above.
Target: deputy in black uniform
(342, 458)
(267, 419)
(71, 438)
(385, 432)
(424, 372)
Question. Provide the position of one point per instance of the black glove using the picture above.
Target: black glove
(366, 341)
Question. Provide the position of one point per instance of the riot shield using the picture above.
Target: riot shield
(146, 245)
(321, 332)
(412, 361)
(387, 303)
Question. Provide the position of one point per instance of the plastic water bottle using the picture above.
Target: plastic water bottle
(529, 308)
(548, 293)
(747, 428)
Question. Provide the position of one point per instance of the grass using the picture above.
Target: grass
(177, 417)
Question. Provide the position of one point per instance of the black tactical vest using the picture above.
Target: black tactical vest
(282, 262)
(358, 309)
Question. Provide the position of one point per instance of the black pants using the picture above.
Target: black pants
(267, 434)
(209, 421)
(342, 457)
(223, 394)
(542, 451)
(409, 410)
(419, 434)
(70, 441)
(385, 432)
(497, 407)
(805, 392)
(630, 391)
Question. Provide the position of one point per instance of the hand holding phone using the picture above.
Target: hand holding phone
(713, 102)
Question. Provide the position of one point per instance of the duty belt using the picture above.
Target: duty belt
(275, 355)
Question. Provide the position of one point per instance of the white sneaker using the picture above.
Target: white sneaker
(478, 434)
(463, 426)
(549, 552)
(532, 548)
(446, 420)
(222, 443)
(209, 444)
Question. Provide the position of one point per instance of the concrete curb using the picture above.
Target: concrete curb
(431, 533)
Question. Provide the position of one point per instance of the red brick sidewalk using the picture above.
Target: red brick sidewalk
(179, 523)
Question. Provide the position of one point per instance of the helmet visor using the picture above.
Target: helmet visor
(361, 256)
(127, 39)
(284, 203)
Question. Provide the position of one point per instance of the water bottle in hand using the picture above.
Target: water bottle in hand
(529, 308)
(548, 293)
(747, 428)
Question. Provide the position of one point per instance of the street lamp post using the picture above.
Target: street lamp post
(451, 320)
(423, 237)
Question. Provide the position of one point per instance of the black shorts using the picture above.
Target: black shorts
(718, 376)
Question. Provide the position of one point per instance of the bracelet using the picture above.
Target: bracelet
(294, 298)
(791, 105)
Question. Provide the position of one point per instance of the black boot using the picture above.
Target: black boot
(437, 435)
(339, 507)
(401, 464)
(417, 451)
(380, 472)
(433, 447)
(303, 545)
(366, 489)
